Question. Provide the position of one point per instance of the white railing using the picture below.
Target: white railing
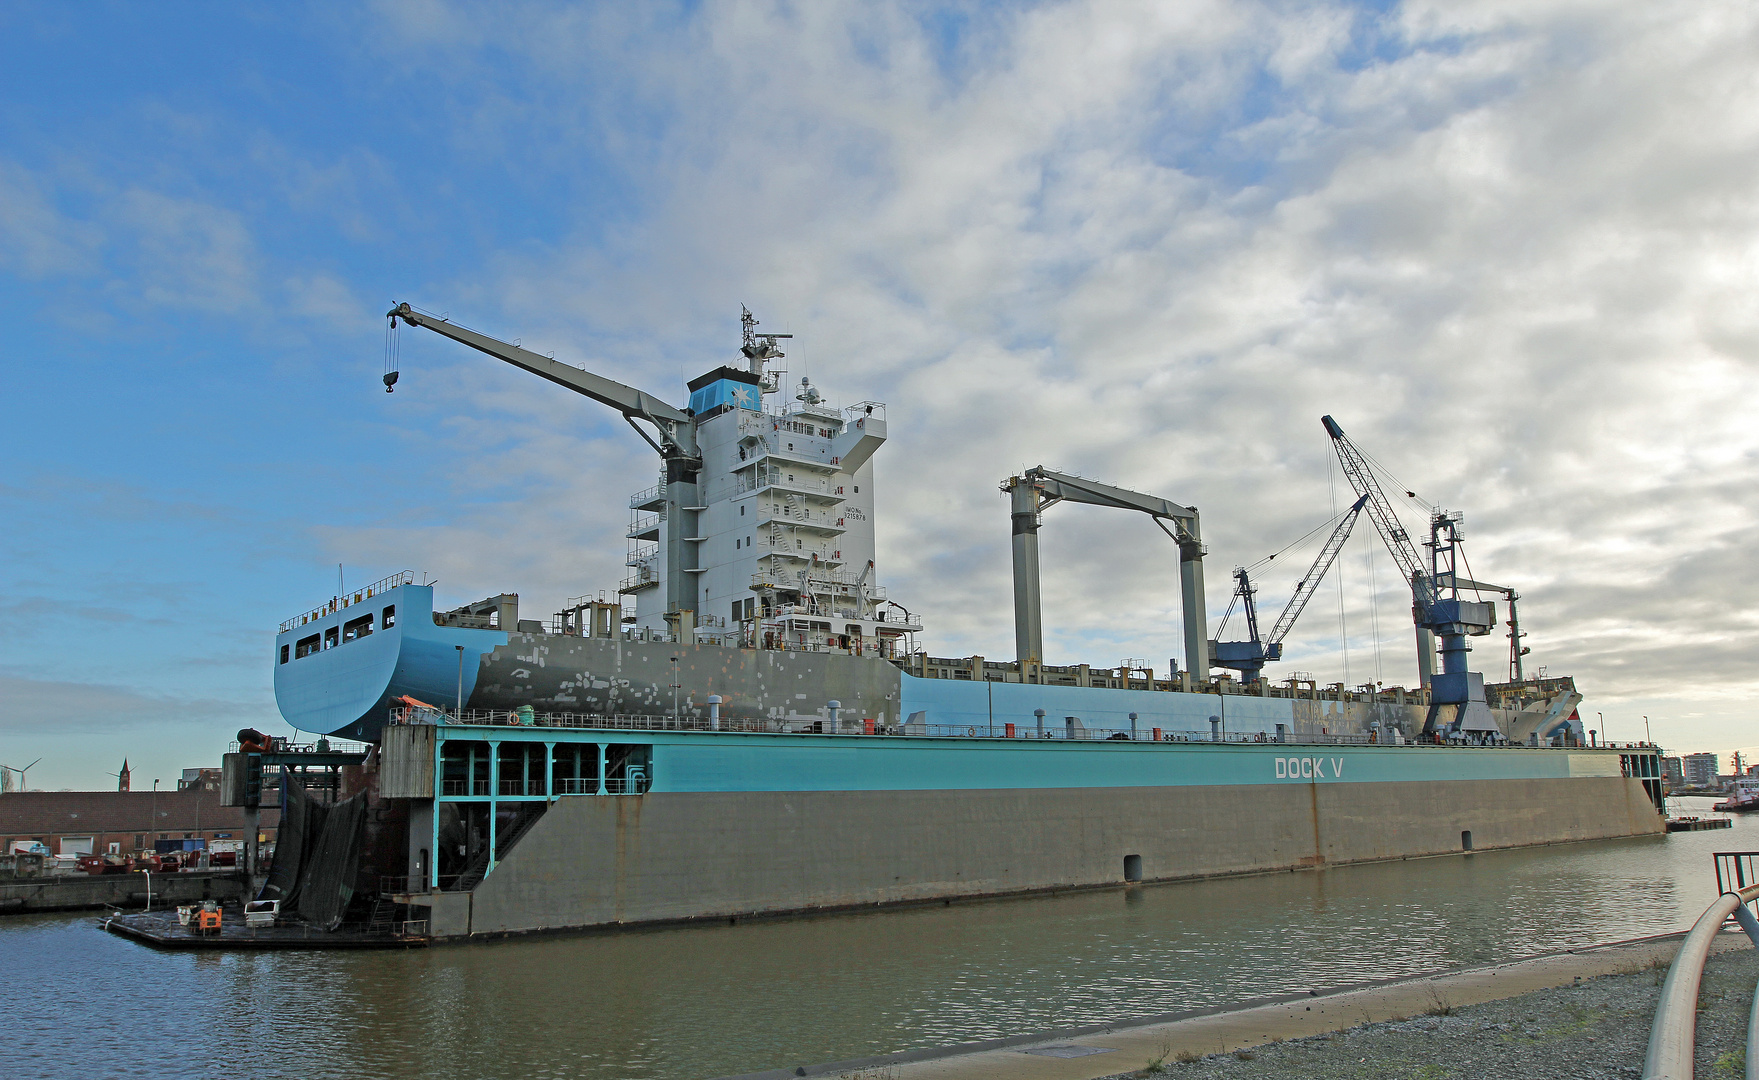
(357, 596)
(1672, 1036)
(1056, 728)
(793, 515)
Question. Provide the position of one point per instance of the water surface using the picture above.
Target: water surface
(713, 1000)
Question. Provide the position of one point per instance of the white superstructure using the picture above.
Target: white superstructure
(778, 536)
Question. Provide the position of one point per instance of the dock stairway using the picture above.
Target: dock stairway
(478, 869)
(383, 917)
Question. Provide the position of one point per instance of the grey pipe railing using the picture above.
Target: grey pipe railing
(1674, 1034)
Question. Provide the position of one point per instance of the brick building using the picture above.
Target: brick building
(123, 822)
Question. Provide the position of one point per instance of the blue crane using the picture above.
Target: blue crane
(1436, 606)
(1249, 657)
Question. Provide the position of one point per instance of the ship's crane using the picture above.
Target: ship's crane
(677, 436)
(1249, 657)
(1039, 488)
(675, 428)
(1435, 614)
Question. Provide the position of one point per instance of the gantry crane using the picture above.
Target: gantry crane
(1038, 489)
(1249, 657)
(1436, 607)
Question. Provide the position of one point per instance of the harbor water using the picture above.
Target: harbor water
(706, 1001)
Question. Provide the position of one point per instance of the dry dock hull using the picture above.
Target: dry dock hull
(664, 857)
(738, 825)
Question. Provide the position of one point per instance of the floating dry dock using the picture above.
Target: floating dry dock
(691, 824)
(749, 727)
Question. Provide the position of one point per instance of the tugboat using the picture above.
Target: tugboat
(1743, 799)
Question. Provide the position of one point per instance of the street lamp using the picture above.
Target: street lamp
(674, 691)
(1602, 717)
(1646, 736)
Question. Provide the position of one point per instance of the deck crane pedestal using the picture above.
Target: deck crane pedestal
(1436, 608)
(1249, 657)
(1038, 488)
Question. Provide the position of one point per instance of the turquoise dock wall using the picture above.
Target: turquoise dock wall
(860, 763)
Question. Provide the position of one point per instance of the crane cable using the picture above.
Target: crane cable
(1343, 624)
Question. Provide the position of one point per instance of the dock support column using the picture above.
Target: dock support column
(439, 786)
(549, 772)
(1196, 611)
(601, 747)
(494, 793)
(1028, 609)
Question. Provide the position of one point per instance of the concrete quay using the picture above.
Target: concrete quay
(74, 892)
(1498, 1012)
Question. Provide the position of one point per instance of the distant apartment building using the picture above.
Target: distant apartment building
(1701, 768)
(1673, 772)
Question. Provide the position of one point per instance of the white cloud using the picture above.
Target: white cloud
(36, 239)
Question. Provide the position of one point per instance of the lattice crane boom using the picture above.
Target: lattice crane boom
(1380, 511)
(1315, 574)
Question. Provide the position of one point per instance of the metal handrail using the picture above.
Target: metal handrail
(1056, 729)
(349, 599)
(1674, 1033)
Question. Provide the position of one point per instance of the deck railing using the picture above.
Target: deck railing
(349, 599)
(1055, 729)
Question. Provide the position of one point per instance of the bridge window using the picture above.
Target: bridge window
(306, 646)
(390, 618)
(284, 650)
(354, 629)
(331, 637)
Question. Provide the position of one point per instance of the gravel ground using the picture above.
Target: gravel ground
(1599, 1028)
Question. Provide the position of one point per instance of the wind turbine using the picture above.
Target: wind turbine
(6, 772)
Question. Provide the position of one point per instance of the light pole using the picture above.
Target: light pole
(1602, 717)
(153, 834)
(1646, 736)
(458, 710)
(674, 691)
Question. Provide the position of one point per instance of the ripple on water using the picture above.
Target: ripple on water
(706, 1001)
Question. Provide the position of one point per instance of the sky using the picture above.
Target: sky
(1509, 246)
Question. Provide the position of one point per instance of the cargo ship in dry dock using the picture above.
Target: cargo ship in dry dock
(760, 734)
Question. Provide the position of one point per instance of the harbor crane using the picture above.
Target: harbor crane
(1039, 488)
(1436, 606)
(1517, 651)
(1249, 657)
(674, 437)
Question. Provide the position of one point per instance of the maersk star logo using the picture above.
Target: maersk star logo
(742, 396)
